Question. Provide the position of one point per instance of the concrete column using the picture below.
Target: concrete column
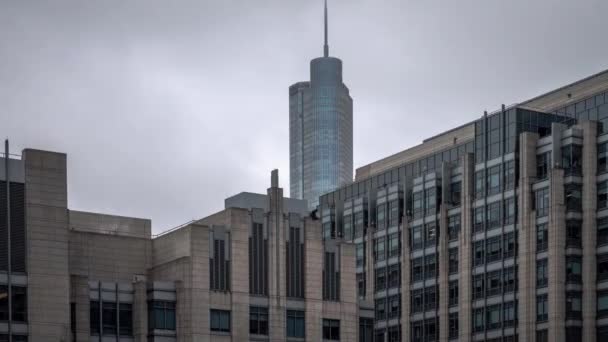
(443, 257)
(140, 312)
(589, 229)
(47, 245)
(313, 279)
(276, 252)
(349, 320)
(405, 281)
(526, 255)
(369, 267)
(239, 293)
(557, 259)
(465, 250)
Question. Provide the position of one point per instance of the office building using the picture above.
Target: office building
(320, 130)
(494, 231)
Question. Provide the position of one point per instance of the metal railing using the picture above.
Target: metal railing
(171, 230)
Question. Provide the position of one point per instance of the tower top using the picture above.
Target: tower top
(326, 47)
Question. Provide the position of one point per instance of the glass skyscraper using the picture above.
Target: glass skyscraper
(320, 130)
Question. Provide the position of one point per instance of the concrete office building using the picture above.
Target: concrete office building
(320, 130)
(494, 231)
(252, 272)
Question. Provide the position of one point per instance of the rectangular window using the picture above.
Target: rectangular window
(602, 156)
(380, 283)
(493, 283)
(380, 249)
(572, 160)
(394, 306)
(602, 304)
(478, 319)
(430, 329)
(430, 201)
(479, 253)
(453, 325)
(494, 180)
(19, 295)
(453, 227)
(258, 260)
(493, 249)
(602, 267)
(430, 266)
(219, 320)
(126, 319)
(417, 300)
(108, 318)
(541, 273)
(480, 184)
(394, 334)
(478, 286)
(331, 277)
(366, 329)
(602, 231)
(430, 298)
(509, 314)
(331, 329)
(509, 246)
(417, 238)
(296, 326)
(417, 269)
(493, 317)
(93, 315)
(161, 315)
(542, 308)
(453, 293)
(574, 334)
(479, 219)
(360, 254)
(361, 284)
(509, 280)
(394, 275)
(417, 204)
(360, 223)
(542, 335)
(380, 306)
(453, 260)
(573, 269)
(574, 305)
(542, 202)
(394, 245)
(542, 237)
(509, 213)
(455, 193)
(430, 234)
(381, 216)
(543, 165)
(574, 200)
(347, 227)
(258, 320)
(510, 175)
(573, 233)
(602, 195)
(219, 265)
(394, 213)
(494, 218)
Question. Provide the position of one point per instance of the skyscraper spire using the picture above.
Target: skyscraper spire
(326, 47)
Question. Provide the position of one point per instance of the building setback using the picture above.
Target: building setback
(320, 130)
(253, 271)
(494, 231)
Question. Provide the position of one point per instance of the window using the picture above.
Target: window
(510, 175)
(602, 155)
(219, 265)
(542, 237)
(453, 293)
(574, 201)
(379, 249)
(509, 210)
(361, 284)
(602, 267)
(509, 280)
(573, 231)
(431, 234)
(573, 305)
(380, 309)
(479, 253)
(542, 309)
(360, 222)
(453, 257)
(541, 273)
(508, 243)
(379, 335)
(542, 202)
(394, 245)
(602, 231)
(381, 216)
(430, 201)
(19, 295)
(455, 193)
(478, 223)
(478, 320)
(417, 204)
(493, 283)
(295, 324)
(360, 254)
(394, 334)
(543, 164)
(258, 260)
(430, 298)
(574, 334)
(430, 329)
(394, 306)
(453, 227)
(478, 286)
(509, 314)
(394, 213)
(494, 180)
(394, 275)
(108, 318)
(602, 195)
(542, 335)
(161, 315)
(493, 249)
(220, 320)
(573, 269)
(417, 331)
(347, 226)
(572, 159)
(430, 266)
(417, 300)
(93, 317)
(417, 269)
(494, 215)
(417, 239)
(125, 319)
(453, 325)
(331, 277)
(479, 184)
(602, 333)
(258, 320)
(602, 304)
(331, 329)
(380, 283)
(366, 329)
(493, 316)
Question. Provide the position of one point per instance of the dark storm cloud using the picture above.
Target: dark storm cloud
(167, 107)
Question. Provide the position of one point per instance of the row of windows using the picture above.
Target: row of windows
(103, 318)
(19, 303)
(220, 321)
(495, 179)
(388, 277)
(390, 218)
(494, 283)
(495, 316)
(393, 334)
(424, 236)
(387, 246)
(424, 299)
(387, 308)
(494, 249)
(423, 268)
(425, 202)
(494, 215)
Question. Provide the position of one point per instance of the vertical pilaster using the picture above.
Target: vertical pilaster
(556, 257)
(443, 256)
(589, 229)
(140, 312)
(405, 280)
(465, 251)
(526, 253)
(349, 321)
(276, 275)
(313, 279)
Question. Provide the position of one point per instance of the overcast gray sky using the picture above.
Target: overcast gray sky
(167, 107)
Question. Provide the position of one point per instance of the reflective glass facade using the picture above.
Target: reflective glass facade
(320, 132)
